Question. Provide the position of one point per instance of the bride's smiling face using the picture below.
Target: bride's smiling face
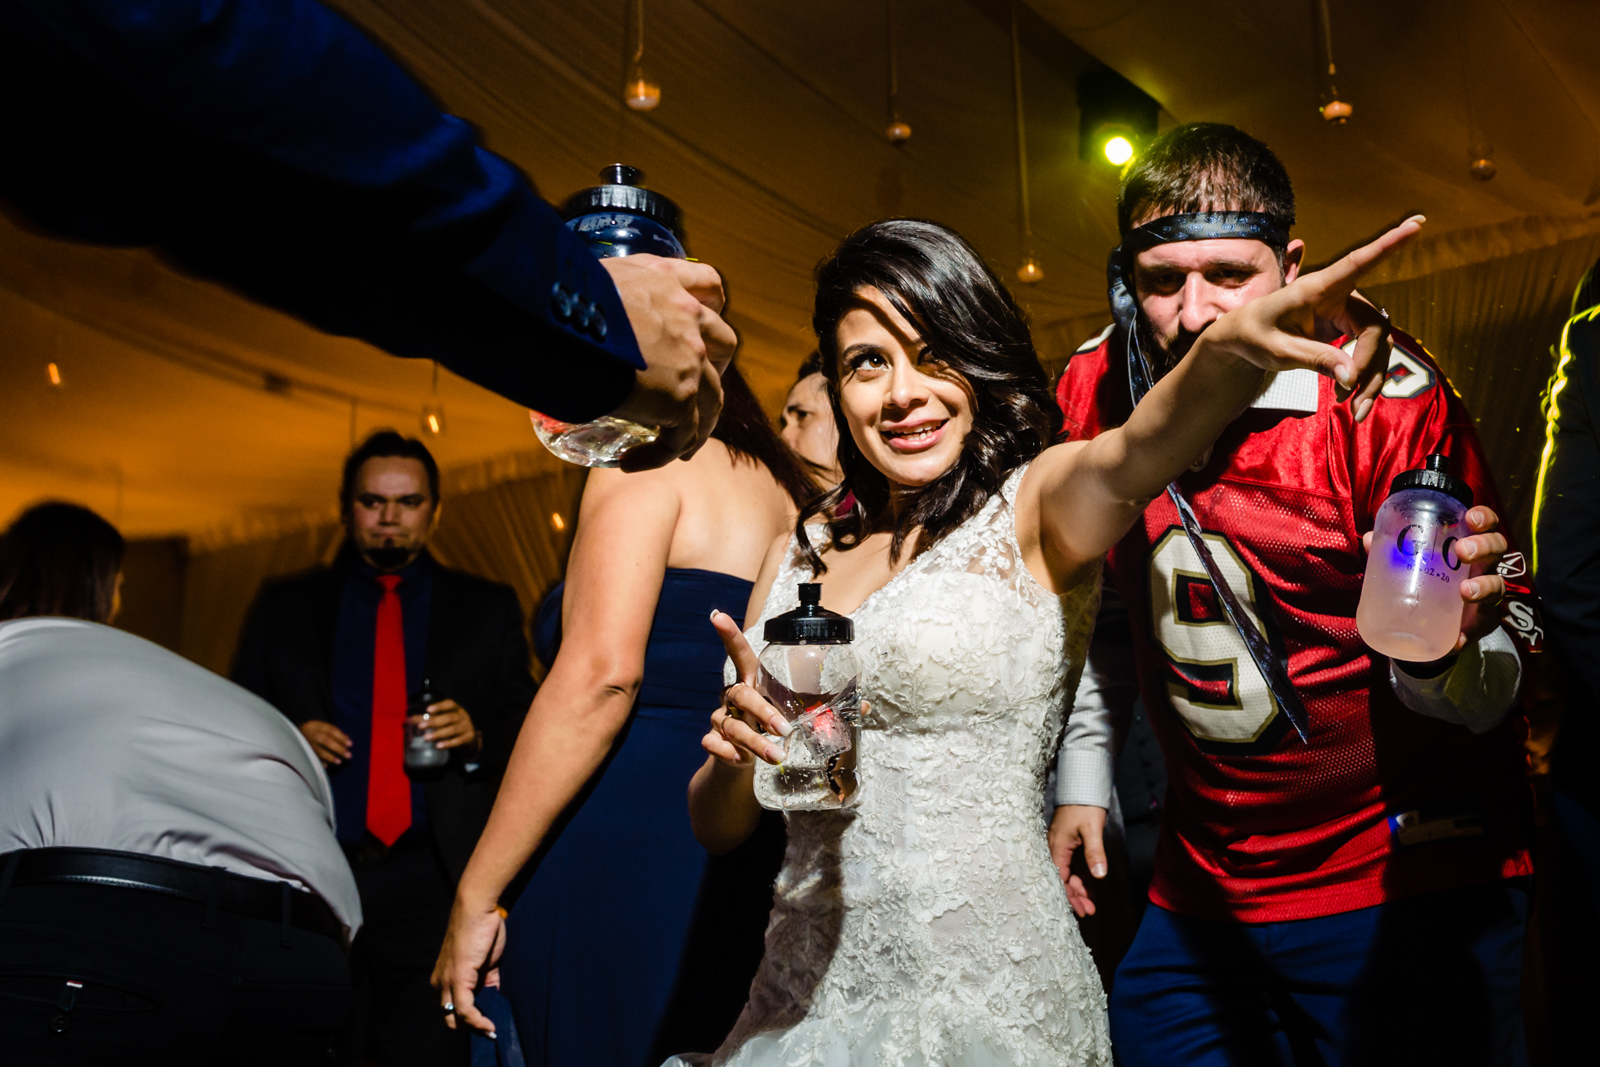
(907, 412)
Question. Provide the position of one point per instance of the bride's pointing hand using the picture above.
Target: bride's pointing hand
(736, 736)
(1291, 328)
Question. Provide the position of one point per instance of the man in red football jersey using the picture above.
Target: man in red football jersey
(1357, 896)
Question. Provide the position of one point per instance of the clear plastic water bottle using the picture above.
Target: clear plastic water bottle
(616, 218)
(423, 760)
(1411, 604)
(811, 674)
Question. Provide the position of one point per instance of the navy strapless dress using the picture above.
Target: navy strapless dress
(599, 936)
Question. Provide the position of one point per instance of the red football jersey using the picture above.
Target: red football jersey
(1383, 802)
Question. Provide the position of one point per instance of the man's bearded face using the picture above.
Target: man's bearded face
(1184, 286)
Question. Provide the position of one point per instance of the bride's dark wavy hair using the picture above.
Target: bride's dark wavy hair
(976, 332)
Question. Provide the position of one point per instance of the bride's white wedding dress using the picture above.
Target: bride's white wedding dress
(928, 926)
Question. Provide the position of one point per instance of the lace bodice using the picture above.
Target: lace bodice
(928, 925)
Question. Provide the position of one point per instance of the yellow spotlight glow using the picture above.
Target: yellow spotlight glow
(55, 374)
(557, 521)
(1119, 150)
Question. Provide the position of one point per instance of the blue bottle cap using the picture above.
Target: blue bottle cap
(620, 191)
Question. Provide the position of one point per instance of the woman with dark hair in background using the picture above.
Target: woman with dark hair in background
(596, 783)
(927, 924)
(61, 559)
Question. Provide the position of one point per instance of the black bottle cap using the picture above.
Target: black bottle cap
(1433, 476)
(810, 623)
(620, 191)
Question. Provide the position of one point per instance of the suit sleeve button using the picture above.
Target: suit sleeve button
(561, 302)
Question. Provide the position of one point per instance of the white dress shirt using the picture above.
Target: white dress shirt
(109, 741)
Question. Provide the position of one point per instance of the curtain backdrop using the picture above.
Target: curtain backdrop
(505, 531)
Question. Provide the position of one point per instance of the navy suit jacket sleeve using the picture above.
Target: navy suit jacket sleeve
(271, 146)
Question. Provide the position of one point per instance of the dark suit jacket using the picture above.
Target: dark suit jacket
(1567, 541)
(477, 656)
(271, 146)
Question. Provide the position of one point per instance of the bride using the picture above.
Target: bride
(927, 926)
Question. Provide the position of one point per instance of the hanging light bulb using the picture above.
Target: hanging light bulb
(53, 372)
(433, 408)
(1480, 162)
(1334, 112)
(640, 91)
(433, 417)
(1030, 272)
(643, 92)
(557, 522)
(898, 131)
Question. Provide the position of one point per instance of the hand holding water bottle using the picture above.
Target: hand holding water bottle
(674, 308)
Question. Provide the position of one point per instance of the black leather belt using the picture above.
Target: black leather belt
(213, 887)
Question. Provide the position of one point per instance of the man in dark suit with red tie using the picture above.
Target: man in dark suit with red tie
(339, 650)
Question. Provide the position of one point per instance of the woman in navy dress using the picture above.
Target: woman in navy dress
(595, 793)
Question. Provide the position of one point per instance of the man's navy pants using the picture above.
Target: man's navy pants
(1429, 979)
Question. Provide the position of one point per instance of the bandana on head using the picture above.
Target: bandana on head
(1203, 226)
(1200, 226)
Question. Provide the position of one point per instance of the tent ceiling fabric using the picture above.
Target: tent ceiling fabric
(186, 409)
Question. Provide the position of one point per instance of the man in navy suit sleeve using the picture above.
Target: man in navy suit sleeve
(271, 146)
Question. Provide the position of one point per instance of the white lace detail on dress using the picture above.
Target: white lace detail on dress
(928, 926)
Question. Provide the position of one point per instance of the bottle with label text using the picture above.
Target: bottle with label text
(1411, 604)
(615, 218)
(810, 673)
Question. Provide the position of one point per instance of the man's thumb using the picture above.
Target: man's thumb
(1094, 852)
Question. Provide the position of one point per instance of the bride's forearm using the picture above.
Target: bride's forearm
(1091, 493)
(1182, 416)
(722, 805)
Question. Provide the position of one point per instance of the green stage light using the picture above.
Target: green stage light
(1119, 150)
(1115, 117)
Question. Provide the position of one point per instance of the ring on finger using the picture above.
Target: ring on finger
(449, 1008)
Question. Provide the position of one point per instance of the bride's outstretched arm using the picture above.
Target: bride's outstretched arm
(1087, 494)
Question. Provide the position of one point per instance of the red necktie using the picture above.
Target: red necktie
(388, 788)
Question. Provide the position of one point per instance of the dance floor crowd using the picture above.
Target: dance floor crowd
(827, 765)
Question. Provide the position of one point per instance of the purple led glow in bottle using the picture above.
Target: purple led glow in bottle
(1411, 602)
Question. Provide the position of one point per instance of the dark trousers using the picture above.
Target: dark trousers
(95, 974)
(1429, 979)
(405, 903)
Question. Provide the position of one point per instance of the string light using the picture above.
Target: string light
(557, 521)
(54, 373)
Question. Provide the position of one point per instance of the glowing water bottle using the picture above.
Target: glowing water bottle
(616, 218)
(1411, 597)
(810, 673)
